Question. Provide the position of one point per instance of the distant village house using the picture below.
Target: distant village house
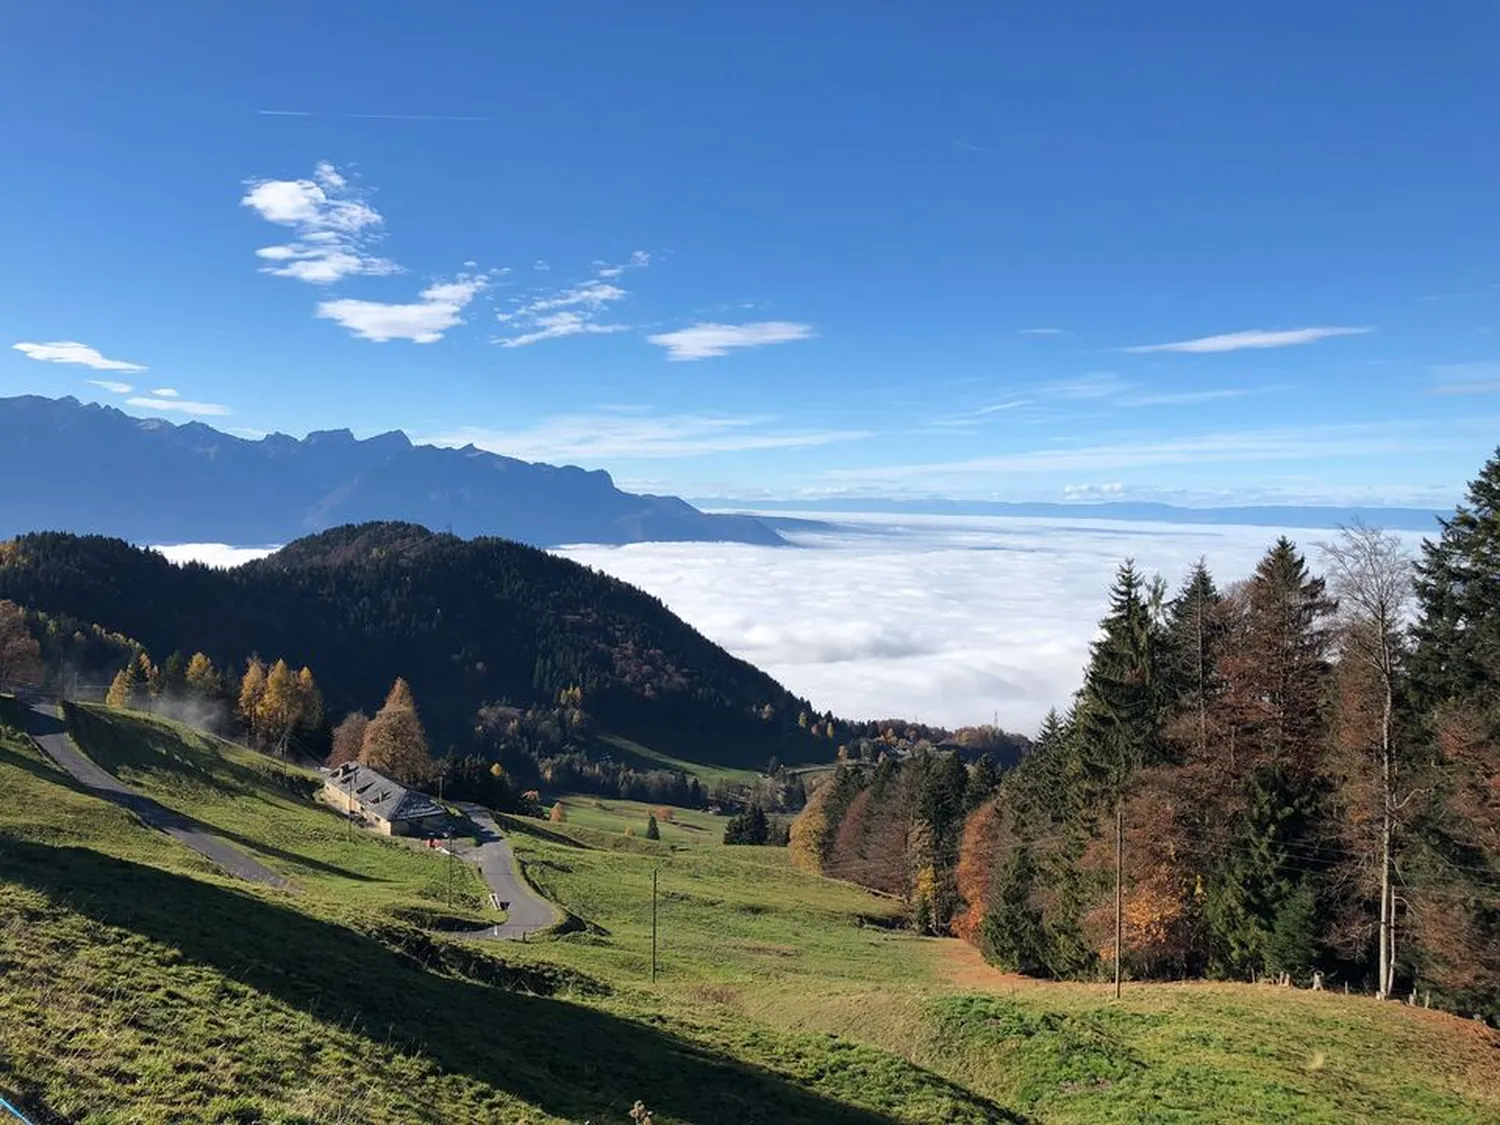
(392, 809)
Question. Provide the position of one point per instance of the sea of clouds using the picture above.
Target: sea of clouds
(946, 619)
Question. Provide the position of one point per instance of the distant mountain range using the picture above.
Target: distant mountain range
(88, 468)
(1280, 515)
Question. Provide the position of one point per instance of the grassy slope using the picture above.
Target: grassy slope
(744, 935)
(606, 814)
(645, 758)
(263, 806)
(136, 975)
(139, 979)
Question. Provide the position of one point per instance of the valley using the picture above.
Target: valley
(140, 975)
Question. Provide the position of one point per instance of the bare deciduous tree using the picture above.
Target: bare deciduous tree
(1370, 571)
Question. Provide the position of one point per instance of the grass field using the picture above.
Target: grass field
(686, 826)
(141, 985)
(644, 757)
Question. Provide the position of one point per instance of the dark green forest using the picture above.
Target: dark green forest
(468, 623)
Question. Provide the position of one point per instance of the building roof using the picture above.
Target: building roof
(382, 797)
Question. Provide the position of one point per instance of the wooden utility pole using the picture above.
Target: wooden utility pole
(653, 925)
(1119, 889)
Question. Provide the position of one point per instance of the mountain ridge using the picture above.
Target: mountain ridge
(468, 622)
(93, 469)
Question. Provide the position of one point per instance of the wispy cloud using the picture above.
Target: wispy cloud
(555, 326)
(966, 146)
(1292, 443)
(706, 341)
(111, 386)
(572, 310)
(1467, 378)
(372, 116)
(1044, 331)
(1095, 385)
(602, 435)
(422, 322)
(334, 228)
(71, 351)
(1251, 338)
(165, 392)
(180, 406)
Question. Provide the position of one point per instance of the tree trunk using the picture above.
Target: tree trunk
(1387, 978)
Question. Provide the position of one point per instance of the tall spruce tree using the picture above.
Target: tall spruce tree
(1119, 716)
(1195, 633)
(1456, 673)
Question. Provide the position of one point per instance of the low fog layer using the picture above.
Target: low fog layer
(949, 620)
(945, 619)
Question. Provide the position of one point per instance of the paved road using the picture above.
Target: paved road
(49, 733)
(528, 911)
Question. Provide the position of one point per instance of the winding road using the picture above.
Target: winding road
(526, 911)
(49, 733)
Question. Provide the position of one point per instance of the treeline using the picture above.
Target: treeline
(467, 622)
(1302, 768)
(895, 825)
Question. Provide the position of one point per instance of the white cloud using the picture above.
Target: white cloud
(334, 228)
(1292, 443)
(1044, 332)
(555, 326)
(705, 341)
(421, 322)
(217, 555)
(71, 351)
(180, 406)
(1111, 489)
(948, 620)
(1252, 338)
(570, 311)
(165, 392)
(111, 386)
(629, 433)
(591, 296)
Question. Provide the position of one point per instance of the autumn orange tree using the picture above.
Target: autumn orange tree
(395, 743)
(20, 653)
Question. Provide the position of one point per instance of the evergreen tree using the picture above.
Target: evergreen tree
(653, 830)
(1283, 666)
(1455, 669)
(395, 743)
(174, 675)
(1012, 935)
(1195, 632)
(983, 779)
(1119, 714)
(1458, 592)
(748, 827)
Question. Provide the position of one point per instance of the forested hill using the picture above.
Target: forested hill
(466, 622)
(194, 484)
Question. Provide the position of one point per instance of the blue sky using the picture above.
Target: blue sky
(779, 249)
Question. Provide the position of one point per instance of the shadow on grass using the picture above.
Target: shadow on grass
(570, 1060)
(43, 724)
